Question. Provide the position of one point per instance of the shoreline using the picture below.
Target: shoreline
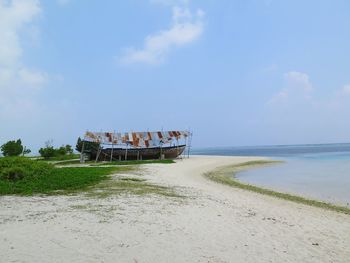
(227, 175)
(208, 222)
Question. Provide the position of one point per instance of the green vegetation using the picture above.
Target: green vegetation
(23, 176)
(68, 157)
(225, 175)
(61, 153)
(62, 180)
(14, 148)
(93, 163)
(19, 175)
(13, 169)
(129, 185)
(165, 161)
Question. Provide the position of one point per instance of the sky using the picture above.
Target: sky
(235, 72)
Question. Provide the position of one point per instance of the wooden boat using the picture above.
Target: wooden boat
(116, 146)
(121, 154)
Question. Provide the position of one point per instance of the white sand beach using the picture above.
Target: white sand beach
(212, 223)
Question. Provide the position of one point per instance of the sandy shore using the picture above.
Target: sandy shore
(213, 223)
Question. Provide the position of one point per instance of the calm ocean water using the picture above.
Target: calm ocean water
(317, 171)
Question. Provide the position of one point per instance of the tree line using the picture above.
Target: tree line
(16, 148)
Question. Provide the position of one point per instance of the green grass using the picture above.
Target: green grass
(68, 162)
(165, 161)
(59, 180)
(93, 163)
(129, 185)
(225, 175)
(61, 158)
(43, 178)
(23, 167)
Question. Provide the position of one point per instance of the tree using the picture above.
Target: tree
(49, 151)
(26, 151)
(12, 148)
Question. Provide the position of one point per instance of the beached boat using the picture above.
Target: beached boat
(110, 146)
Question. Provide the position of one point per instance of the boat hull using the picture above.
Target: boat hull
(121, 154)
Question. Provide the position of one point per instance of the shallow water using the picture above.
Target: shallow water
(315, 171)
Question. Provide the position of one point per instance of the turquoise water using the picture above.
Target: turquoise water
(316, 171)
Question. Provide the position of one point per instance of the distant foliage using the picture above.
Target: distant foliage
(88, 146)
(20, 168)
(13, 148)
(69, 149)
(50, 152)
(26, 151)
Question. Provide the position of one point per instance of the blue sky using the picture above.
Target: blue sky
(252, 72)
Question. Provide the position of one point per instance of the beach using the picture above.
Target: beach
(209, 222)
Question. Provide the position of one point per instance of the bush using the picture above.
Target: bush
(20, 168)
(12, 148)
(13, 173)
(49, 151)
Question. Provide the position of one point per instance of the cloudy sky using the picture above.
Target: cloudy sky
(237, 72)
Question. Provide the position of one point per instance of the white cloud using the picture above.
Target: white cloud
(170, 2)
(19, 84)
(346, 89)
(298, 80)
(32, 78)
(298, 86)
(186, 28)
(15, 15)
(63, 2)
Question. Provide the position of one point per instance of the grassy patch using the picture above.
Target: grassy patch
(93, 163)
(68, 162)
(59, 180)
(61, 157)
(129, 185)
(166, 161)
(23, 176)
(225, 175)
(19, 168)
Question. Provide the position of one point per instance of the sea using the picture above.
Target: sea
(317, 171)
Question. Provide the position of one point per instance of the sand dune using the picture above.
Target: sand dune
(212, 223)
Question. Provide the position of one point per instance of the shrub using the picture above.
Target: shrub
(19, 168)
(13, 173)
(49, 151)
(61, 151)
